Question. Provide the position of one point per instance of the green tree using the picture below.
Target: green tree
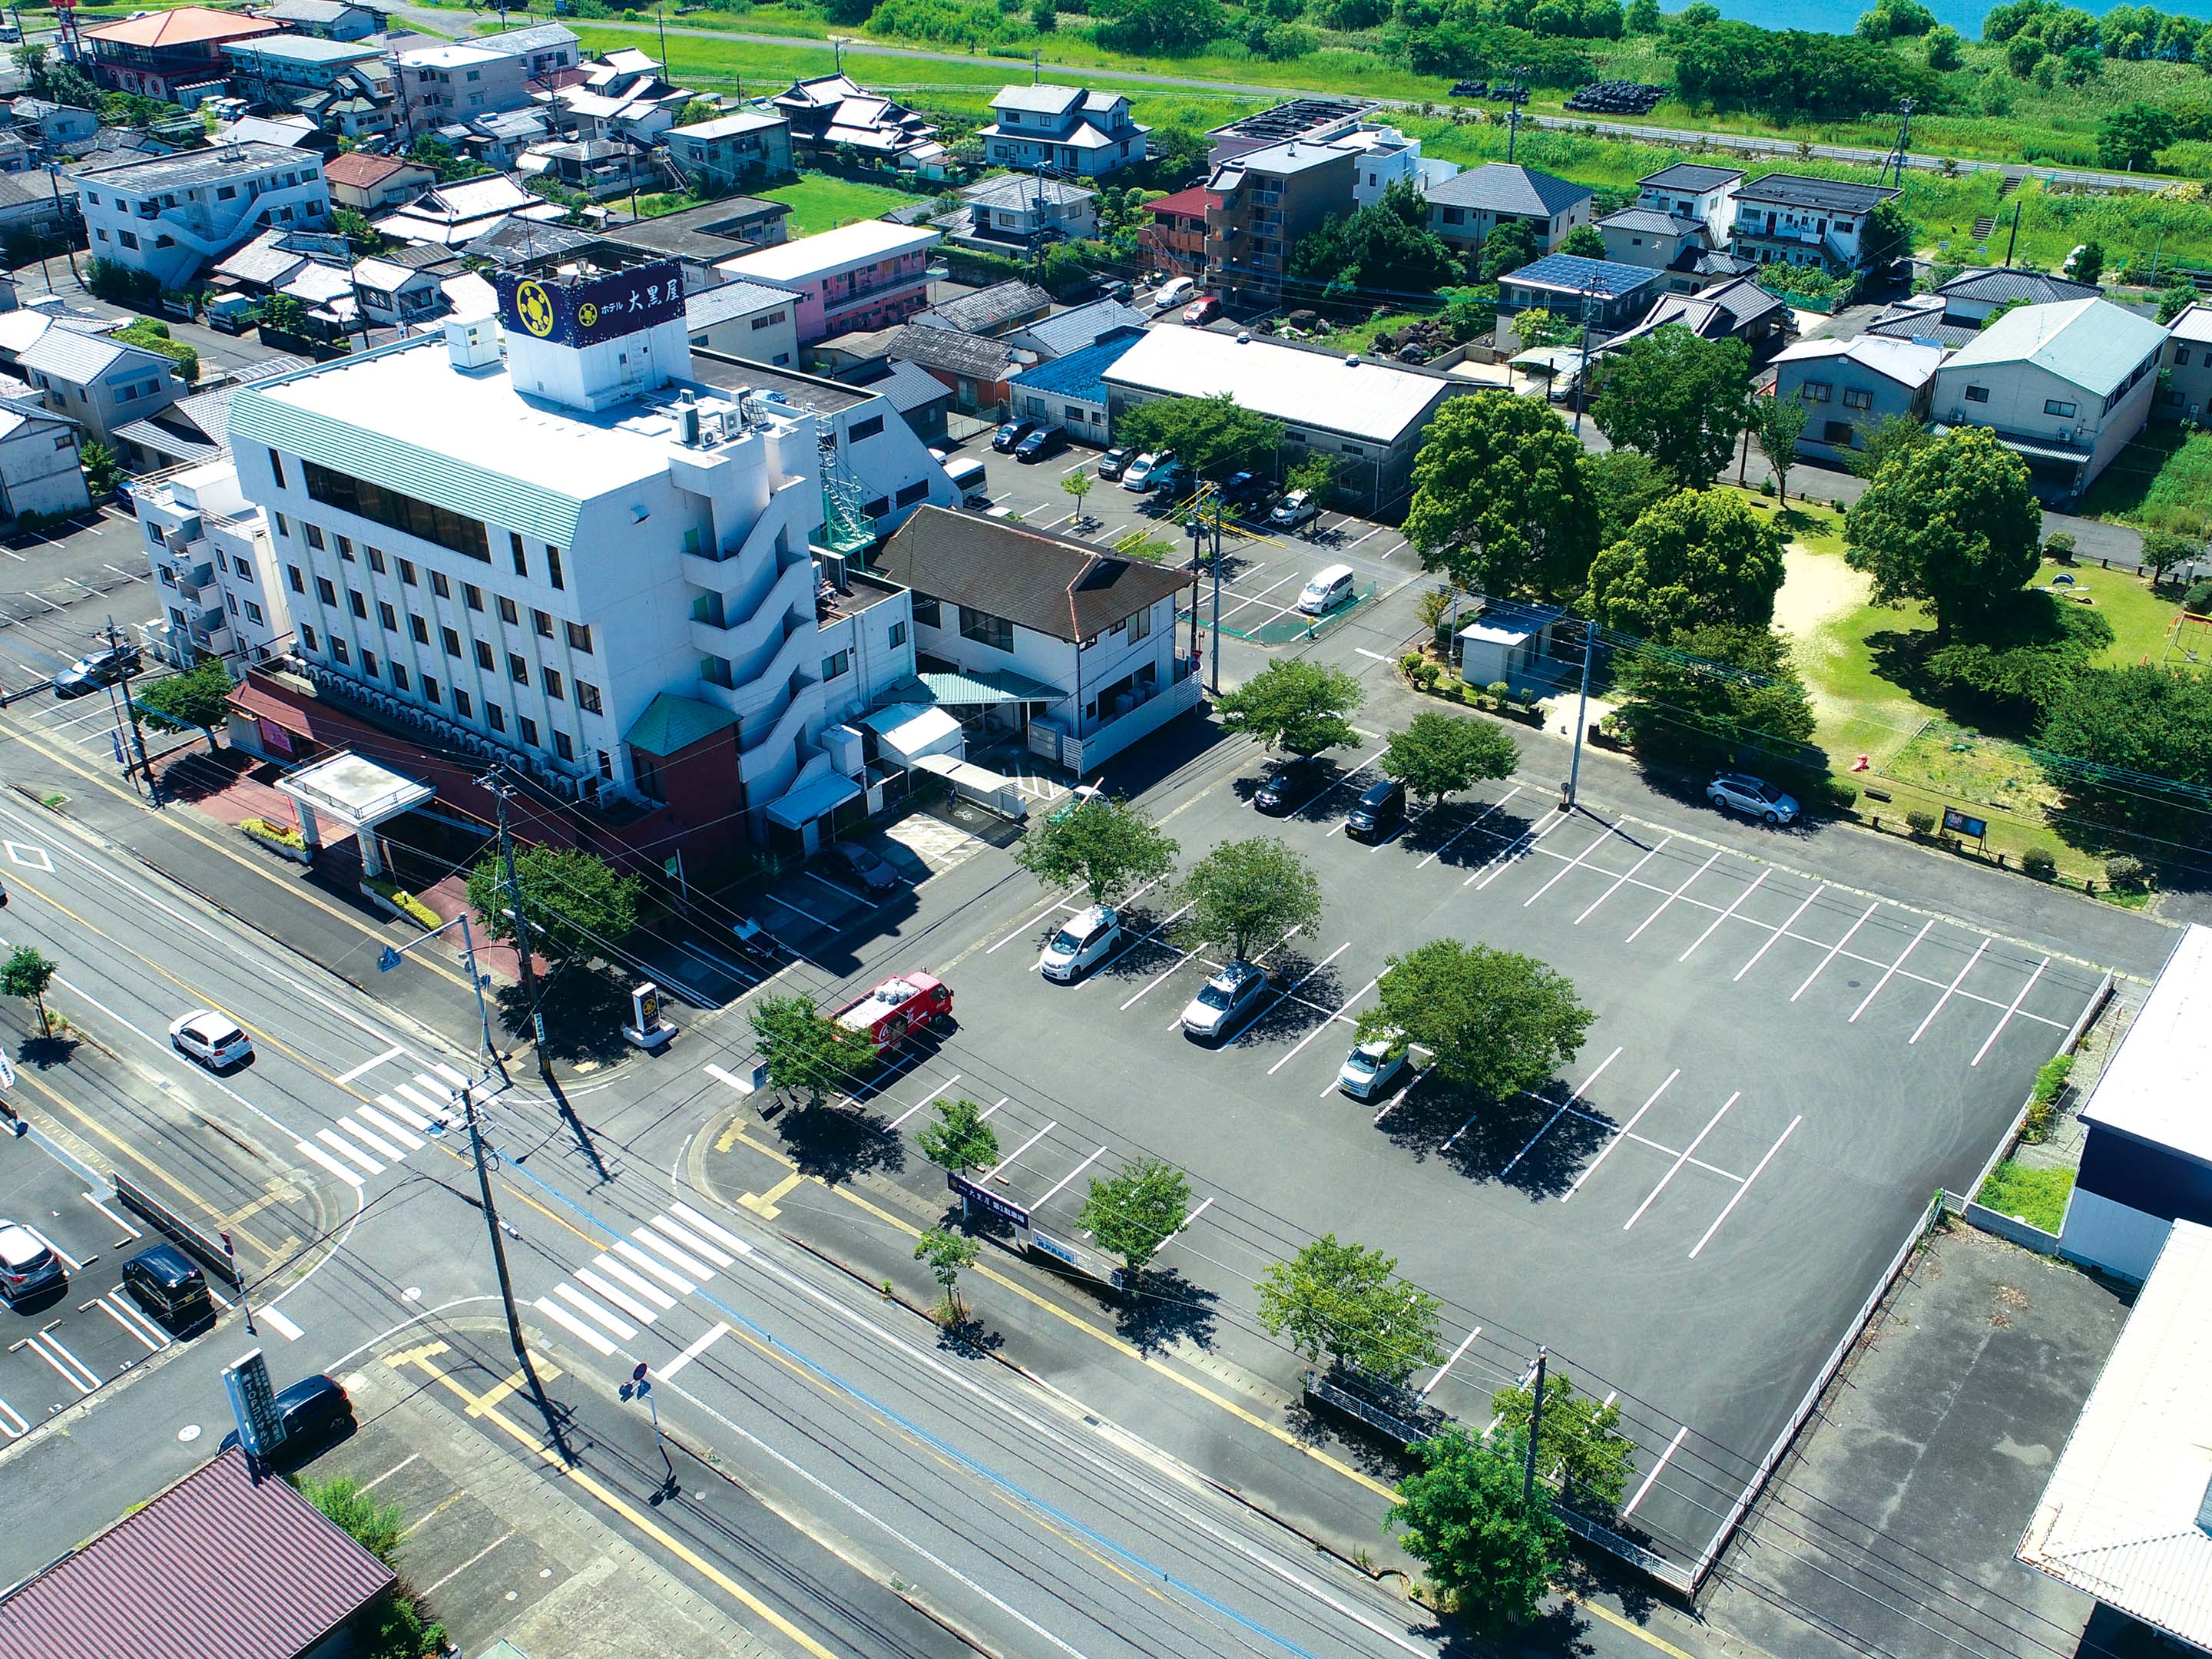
(2176, 300)
(1883, 441)
(1132, 1213)
(949, 1254)
(1346, 1303)
(2164, 551)
(1383, 251)
(1953, 524)
(2089, 262)
(1717, 696)
(1439, 754)
(1462, 1514)
(1579, 1440)
(1887, 236)
(1676, 397)
(102, 467)
(959, 1141)
(1539, 330)
(1107, 846)
(378, 1528)
(1776, 423)
(575, 902)
(1214, 436)
(1944, 51)
(1170, 27)
(1507, 248)
(26, 974)
(1625, 486)
(1585, 242)
(1315, 475)
(2130, 138)
(1699, 559)
(698, 109)
(2126, 735)
(1500, 501)
(806, 1051)
(1244, 892)
(197, 699)
(1297, 704)
(1495, 1021)
(1078, 484)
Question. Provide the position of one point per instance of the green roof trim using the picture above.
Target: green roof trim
(994, 685)
(507, 503)
(671, 723)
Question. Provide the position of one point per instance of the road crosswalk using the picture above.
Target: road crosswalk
(370, 1138)
(639, 1280)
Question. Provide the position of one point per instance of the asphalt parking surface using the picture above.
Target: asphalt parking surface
(1686, 1218)
(59, 585)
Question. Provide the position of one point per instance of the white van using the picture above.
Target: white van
(1174, 293)
(968, 484)
(1327, 591)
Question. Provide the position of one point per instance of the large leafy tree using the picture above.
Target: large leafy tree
(1297, 705)
(1132, 1213)
(1500, 501)
(1438, 754)
(1718, 697)
(1172, 26)
(1107, 846)
(1245, 891)
(2131, 137)
(1342, 1303)
(26, 974)
(1775, 425)
(1700, 558)
(807, 1052)
(1578, 1439)
(1214, 436)
(958, 1138)
(2136, 744)
(1510, 246)
(1625, 485)
(1384, 252)
(197, 699)
(575, 902)
(1495, 1021)
(1464, 1515)
(1678, 399)
(1953, 523)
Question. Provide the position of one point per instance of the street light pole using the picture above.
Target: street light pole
(1582, 714)
(498, 1244)
(389, 958)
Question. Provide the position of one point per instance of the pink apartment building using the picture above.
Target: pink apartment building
(860, 278)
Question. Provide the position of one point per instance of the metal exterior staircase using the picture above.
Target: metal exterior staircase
(847, 528)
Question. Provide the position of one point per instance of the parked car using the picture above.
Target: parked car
(1087, 940)
(167, 1285)
(210, 1038)
(1224, 1001)
(1739, 791)
(315, 1410)
(1045, 440)
(1171, 479)
(1329, 589)
(1202, 310)
(95, 669)
(1138, 476)
(1378, 811)
(1295, 511)
(29, 1264)
(1174, 293)
(856, 863)
(1077, 797)
(1011, 434)
(1243, 492)
(1291, 784)
(1113, 463)
(1372, 1067)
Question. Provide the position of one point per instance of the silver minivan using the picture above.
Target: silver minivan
(1327, 589)
(1086, 939)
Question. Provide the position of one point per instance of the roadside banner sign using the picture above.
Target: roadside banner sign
(1088, 1262)
(984, 1199)
(6, 1072)
(1959, 824)
(254, 1404)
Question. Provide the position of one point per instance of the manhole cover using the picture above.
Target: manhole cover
(188, 1433)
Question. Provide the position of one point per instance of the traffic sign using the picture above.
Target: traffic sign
(254, 1404)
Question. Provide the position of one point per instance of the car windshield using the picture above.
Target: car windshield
(1216, 994)
(1067, 942)
(1361, 1061)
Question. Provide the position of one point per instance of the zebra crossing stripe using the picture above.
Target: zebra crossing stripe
(576, 1327)
(590, 1310)
(654, 1241)
(407, 1114)
(375, 1144)
(346, 1149)
(686, 1240)
(651, 1292)
(598, 1286)
(652, 1265)
(329, 1163)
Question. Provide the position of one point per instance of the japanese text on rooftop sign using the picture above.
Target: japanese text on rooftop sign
(578, 311)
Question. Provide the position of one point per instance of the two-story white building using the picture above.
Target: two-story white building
(213, 569)
(1689, 190)
(40, 468)
(2185, 377)
(99, 382)
(1062, 130)
(170, 215)
(1805, 221)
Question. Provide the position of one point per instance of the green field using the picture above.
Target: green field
(2036, 1194)
(819, 202)
(2162, 481)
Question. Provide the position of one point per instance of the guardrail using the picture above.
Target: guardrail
(211, 1251)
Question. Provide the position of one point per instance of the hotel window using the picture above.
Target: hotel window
(495, 716)
(551, 677)
(898, 635)
(356, 604)
(439, 585)
(563, 746)
(542, 624)
(419, 628)
(314, 535)
(461, 704)
(517, 670)
(430, 687)
(407, 571)
(452, 642)
(985, 628)
(306, 636)
(836, 664)
(553, 566)
(507, 613)
(326, 591)
(400, 676)
(368, 662)
(292, 575)
(276, 466)
(345, 548)
(388, 617)
(376, 559)
(579, 637)
(338, 650)
(587, 698)
(388, 506)
(484, 660)
(514, 546)
(472, 595)
(528, 728)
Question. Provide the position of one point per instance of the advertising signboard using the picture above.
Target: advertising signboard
(1959, 824)
(984, 1199)
(581, 311)
(254, 1404)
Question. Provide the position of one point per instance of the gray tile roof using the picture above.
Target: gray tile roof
(1496, 188)
(1073, 330)
(1689, 177)
(65, 355)
(1650, 222)
(1795, 190)
(956, 352)
(737, 298)
(1066, 590)
(1996, 287)
(1019, 190)
(908, 386)
(989, 308)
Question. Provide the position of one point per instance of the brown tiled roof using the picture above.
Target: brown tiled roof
(363, 171)
(183, 27)
(222, 1563)
(1067, 589)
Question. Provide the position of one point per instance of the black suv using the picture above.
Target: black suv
(1289, 784)
(168, 1285)
(1379, 811)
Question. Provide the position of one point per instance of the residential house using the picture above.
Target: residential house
(1062, 130)
(371, 185)
(866, 275)
(1070, 391)
(361, 105)
(285, 131)
(1463, 211)
(497, 140)
(458, 82)
(1387, 157)
(1805, 222)
(1641, 235)
(40, 470)
(525, 244)
(978, 369)
(1606, 294)
(273, 69)
(195, 428)
(99, 382)
(548, 51)
(994, 310)
(829, 114)
(170, 215)
(619, 95)
(1851, 386)
(1738, 310)
(215, 568)
(752, 320)
(597, 169)
(58, 127)
(31, 204)
(700, 238)
(176, 55)
(1029, 636)
(328, 20)
(1260, 204)
(2184, 389)
(396, 295)
(17, 153)
(1954, 312)
(1366, 415)
(1021, 212)
(1079, 326)
(732, 152)
(923, 400)
(1691, 190)
(2064, 386)
(274, 257)
(1174, 238)
(1315, 120)
(457, 214)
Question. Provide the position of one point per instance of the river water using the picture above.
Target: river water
(1837, 16)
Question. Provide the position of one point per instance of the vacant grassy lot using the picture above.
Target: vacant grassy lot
(819, 202)
(2162, 481)
(2036, 1196)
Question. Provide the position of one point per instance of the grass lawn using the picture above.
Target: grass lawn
(819, 202)
(2161, 481)
(1360, 336)
(2036, 1196)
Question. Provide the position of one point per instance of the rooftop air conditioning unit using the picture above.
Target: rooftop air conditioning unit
(472, 343)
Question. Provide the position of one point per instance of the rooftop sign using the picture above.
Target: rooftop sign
(581, 311)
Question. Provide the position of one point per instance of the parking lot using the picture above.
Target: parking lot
(1685, 1221)
(59, 585)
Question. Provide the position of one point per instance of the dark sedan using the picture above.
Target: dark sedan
(1290, 785)
(1011, 434)
(1045, 440)
(97, 668)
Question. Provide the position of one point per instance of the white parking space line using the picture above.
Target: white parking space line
(1709, 1232)
(100, 1204)
(1674, 1169)
(9, 1417)
(1323, 1026)
(1053, 1191)
(1890, 972)
(1374, 532)
(1014, 1156)
(368, 1066)
(1764, 871)
(1466, 1342)
(63, 1349)
(1806, 905)
(1623, 876)
(1064, 903)
(1391, 1104)
(1180, 958)
(713, 1334)
(1565, 1106)
(1504, 857)
(55, 1365)
(1664, 1459)
(1919, 1030)
(1672, 896)
(1259, 597)
(1998, 1029)
(777, 898)
(1468, 825)
(74, 1266)
(575, 1327)
(1568, 868)
(985, 1113)
(121, 1300)
(1835, 950)
(931, 1099)
(129, 1329)
(1190, 1223)
(1290, 993)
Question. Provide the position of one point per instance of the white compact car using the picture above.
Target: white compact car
(1087, 940)
(211, 1038)
(1327, 589)
(1372, 1067)
(1224, 1001)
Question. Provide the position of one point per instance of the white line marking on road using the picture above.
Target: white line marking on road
(280, 1322)
(329, 1163)
(1063, 903)
(730, 1078)
(1655, 1467)
(1290, 994)
(368, 1066)
(63, 1349)
(1323, 1026)
(1746, 1187)
(346, 1149)
(131, 1311)
(777, 898)
(415, 1097)
(1833, 950)
(1564, 1107)
(1921, 1029)
(1337, 783)
(430, 1589)
(1672, 896)
(583, 1332)
(385, 1126)
(713, 1334)
(1053, 1191)
(406, 1114)
(371, 1485)
(1188, 1224)
(1564, 870)
(590, 1310)
(653, 1293)
(708, 1229)
(1466, 1342)
(129, 1329)
(1364, 652)
(1806, 905)
(1681, 1159)
(690, 1241)
(1763, 874)
(629, 1304)
(99, 1203)
(16, 1427)
(1182, 958)
(1470, 825)
(653, 1241)
(1623, 876)
(458, 1079)
(2010, 1012)
(999, 1173)
(1504, 858)
(930, 1098)
(992, 1108)
(55, 1365)
(1888, 972)
(75, 1266)
(628, 1251)
(374, 1144)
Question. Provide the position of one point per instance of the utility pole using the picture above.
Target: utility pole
(1582, 369)
(501, 789)
(498, 1244)
(1535, 1426)
(1214, 675)
(116, 640)
(2012, 241)
(1513, 113)
(1582, 715)
(1193, 530)
(61, 222)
